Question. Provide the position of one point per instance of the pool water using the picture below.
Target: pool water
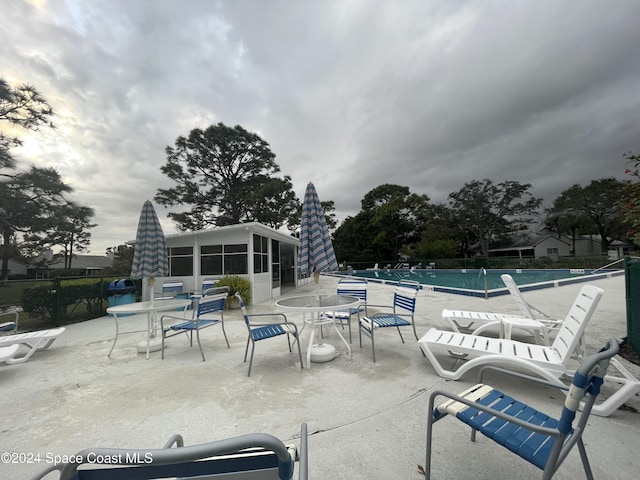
(472, 281)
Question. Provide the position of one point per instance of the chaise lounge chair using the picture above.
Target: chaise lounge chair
(39, 340)
(252, 456)
(532, 320)
(551, 363)
(7, 353)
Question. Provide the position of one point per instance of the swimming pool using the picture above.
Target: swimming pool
(472, 281)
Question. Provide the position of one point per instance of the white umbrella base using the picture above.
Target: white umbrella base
(155, 345)
(323, 352)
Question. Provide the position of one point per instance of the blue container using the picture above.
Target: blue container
(121, 292)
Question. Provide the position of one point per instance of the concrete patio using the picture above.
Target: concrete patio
(365, 420)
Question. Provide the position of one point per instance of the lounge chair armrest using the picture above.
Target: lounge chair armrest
(175, 439)
(174, 317)
(521, 376)
(379, 306)
(269, 315)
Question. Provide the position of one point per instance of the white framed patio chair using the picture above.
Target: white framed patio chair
(263, 331)
(536, 437)
(535, 322)
(402, 314)
(32, 341)
(356, 288)
(258, 456)
(208, 312)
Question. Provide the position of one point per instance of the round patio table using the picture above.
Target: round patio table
(150, 308)
(315, 305)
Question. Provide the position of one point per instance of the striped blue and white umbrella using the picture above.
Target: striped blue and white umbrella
(150, 251)
(315, 253)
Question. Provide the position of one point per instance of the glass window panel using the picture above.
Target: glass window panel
(235, 264)
(181, 266)
(235, 248)
(174, 251)
(209, 249)
(211, 265)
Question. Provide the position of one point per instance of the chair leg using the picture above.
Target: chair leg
(373, 344)
(199, 344)
(585, 460)
(300, 352)
(415, 334)
(225, 334)
(253, 347)
(162, 355)
(246, 349)
(427, 462)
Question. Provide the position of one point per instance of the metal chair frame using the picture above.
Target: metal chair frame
(534, 436)
(263, 331)
(206, 305)
(404, 300)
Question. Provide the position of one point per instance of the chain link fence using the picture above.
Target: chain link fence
(52, 302)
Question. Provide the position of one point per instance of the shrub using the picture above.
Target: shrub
(236, 284)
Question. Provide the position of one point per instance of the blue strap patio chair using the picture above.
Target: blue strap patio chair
(257, 456)
(263, 331)
(209, 312)
(402, 314)
(355, 288)
(172, 288)
(541, 440)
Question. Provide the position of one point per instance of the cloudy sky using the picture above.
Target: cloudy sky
(350, 94)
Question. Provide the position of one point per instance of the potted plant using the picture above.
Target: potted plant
(236, 284)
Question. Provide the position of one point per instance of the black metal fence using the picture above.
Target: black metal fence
(58, 301)
(632, 287)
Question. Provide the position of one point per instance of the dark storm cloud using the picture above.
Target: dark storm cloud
(349, 94)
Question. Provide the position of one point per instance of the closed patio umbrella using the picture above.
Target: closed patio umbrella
(150, 252)
(315, 253)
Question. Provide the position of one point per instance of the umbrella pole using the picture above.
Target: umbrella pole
(154, 326)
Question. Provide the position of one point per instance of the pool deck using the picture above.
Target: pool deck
(365, 420)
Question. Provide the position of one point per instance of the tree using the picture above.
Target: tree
(566, 216)
(391, 216)
(122, 258)
(28, 202)
(24, 107)
(487, 211)
(226, 175)
(598, 208)
(351, 240)
(68, 228)
(439, 237)
(329, 206)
